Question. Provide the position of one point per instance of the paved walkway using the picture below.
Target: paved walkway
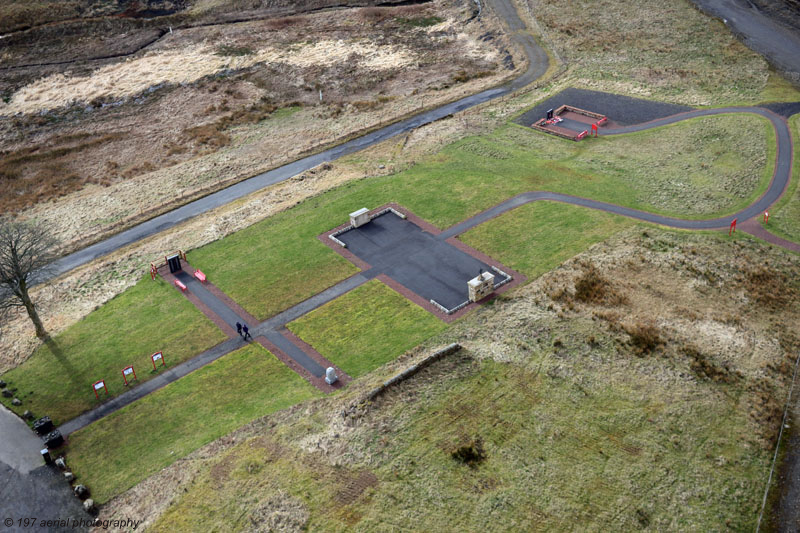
(271, 334)
(780, 179)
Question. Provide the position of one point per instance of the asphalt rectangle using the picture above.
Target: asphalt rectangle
(426, 265)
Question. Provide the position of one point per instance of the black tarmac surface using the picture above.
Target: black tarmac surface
(784, 109)
(415, 258)
(41, 494)
(623, 110)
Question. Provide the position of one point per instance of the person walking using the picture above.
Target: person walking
(239, 329)
(246, 331)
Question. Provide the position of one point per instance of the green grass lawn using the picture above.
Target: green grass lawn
(122, 449)
(366, 328)
(784, 217)
(535, 238)
(148, 317)
(699, 168)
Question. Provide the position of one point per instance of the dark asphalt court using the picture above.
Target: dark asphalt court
(416, 259)
(623, 110)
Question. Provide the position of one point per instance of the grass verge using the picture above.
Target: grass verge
(784, 217)
(122, 449)
(535, 238)
(149, 317)
(366, 328)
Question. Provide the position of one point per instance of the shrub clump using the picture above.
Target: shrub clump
(645, 337)
(471, 453)
(769, 287)
(592, 288)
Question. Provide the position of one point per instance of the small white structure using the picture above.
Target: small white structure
(481, 286)
(330, 376)
(360, 217)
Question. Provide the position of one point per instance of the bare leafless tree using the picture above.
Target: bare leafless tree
(26, 248)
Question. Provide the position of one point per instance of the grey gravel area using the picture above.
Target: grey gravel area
(623, 110)
(41, 494)
(784, 109)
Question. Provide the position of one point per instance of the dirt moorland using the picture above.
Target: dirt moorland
(685, 323)
(95, 145)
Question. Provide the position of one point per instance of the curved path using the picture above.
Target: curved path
(537, 66)
(778, 184)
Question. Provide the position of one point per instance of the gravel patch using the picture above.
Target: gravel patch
(784, 109)
(623, 110)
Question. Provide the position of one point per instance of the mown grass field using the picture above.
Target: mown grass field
(366, 328)
(784, 218)
(535, 238)
(122, 449)
(698, 168)
(149, 317)
(279, 262)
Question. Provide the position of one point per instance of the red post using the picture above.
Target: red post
(158, 356)
(97, 386)
(128, 370)
(766, 217)
(732, 229)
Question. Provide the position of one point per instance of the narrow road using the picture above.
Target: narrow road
(537, 66)
(776, 42)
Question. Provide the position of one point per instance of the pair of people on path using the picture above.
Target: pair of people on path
(243, 330)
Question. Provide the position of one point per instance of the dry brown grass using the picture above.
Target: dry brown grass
(645, 337)
(590, 287)
(33, 174)
(769, 287)
(705, 367)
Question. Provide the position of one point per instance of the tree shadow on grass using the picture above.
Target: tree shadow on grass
(73, 374)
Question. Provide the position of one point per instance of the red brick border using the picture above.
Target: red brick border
(516, 277)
